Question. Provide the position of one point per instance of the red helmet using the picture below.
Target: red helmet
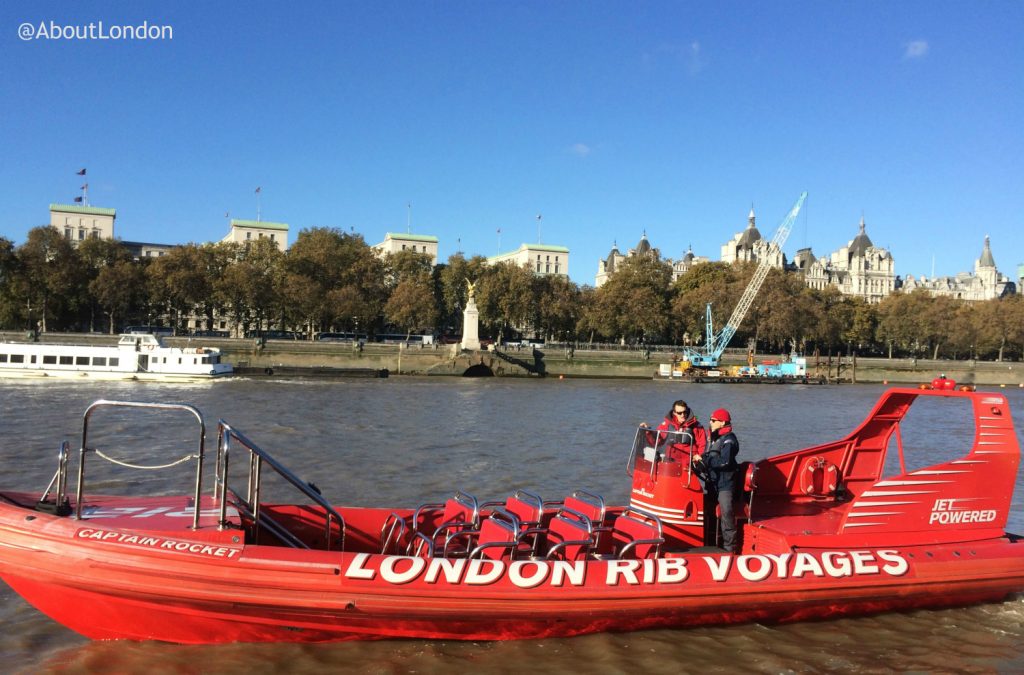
(722, 415)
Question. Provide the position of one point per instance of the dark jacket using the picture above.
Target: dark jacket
(720, 460)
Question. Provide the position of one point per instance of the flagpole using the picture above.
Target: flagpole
(259, 190)
(408, 218)
(538, 228)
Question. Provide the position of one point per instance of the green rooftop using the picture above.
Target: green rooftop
(411, 237)
(84, 210)
(262, 224)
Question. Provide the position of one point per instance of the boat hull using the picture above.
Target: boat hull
(172, 584)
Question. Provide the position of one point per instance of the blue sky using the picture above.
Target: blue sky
(608, 118)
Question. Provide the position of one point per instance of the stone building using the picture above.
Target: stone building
(749, 246)
(685, 263)
(859, 269)
(421, 243)
(606, 267)
(243, 231)
(985, 283)
(78, 223)
(540, 258)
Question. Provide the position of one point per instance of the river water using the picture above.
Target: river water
(405, 441)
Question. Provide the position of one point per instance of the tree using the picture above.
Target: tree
(96, 255)
(119, 288)
(702, 284)
(48, 275)
(412, 306)
(633, 304)
(504, 296)
(558, 306)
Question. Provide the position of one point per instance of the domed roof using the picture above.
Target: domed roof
(861, 243)
(688, 256)
(750, 235)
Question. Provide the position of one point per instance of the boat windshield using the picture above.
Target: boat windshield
(654, 445)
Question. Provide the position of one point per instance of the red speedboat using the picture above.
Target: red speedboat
(823, 534)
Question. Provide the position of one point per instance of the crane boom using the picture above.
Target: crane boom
(714, 345)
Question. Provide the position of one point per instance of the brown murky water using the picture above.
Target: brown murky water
(407, 441)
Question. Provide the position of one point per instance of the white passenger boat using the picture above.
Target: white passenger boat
(135, 357)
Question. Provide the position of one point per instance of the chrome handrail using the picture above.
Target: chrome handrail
(252, 503)
(84, 449)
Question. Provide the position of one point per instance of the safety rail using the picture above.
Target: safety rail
(60, 478)
(251, 504)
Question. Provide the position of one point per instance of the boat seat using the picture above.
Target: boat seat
(637, 534)
(570, 536)
(529, 509)
(460, 512)
(498, 538)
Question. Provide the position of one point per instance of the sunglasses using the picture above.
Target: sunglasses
(680, 412)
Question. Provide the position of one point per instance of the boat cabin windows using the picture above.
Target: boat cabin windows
(99, 360)
(81, 360)
(17, 358)
(113, 361)
(3, 358)
(67, 361)
(49, 359)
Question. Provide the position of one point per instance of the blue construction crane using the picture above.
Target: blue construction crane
(715, 344)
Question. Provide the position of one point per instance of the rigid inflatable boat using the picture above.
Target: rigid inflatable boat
(824, 532)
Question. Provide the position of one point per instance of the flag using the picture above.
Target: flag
(81, 172)
(78, 200)
(258, 190)
(85, 187)
(499, 230)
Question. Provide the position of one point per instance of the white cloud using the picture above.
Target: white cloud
(916, 49)
(580, 149)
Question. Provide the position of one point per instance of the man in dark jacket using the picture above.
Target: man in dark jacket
(720, 469)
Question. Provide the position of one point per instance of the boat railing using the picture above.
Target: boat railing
(84, 450)
(251, 505)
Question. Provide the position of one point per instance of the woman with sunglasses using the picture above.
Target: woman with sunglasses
(681, 434)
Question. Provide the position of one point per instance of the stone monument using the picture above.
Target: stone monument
(471, 321)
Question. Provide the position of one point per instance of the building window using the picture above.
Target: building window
(424, 249)
(556, 268)
(248, 235)
(67, 233)
(81, 234)
(261, 235)
(95, 234)
(271, 236)
(547, 268)
(538, 267)
(403, 247)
